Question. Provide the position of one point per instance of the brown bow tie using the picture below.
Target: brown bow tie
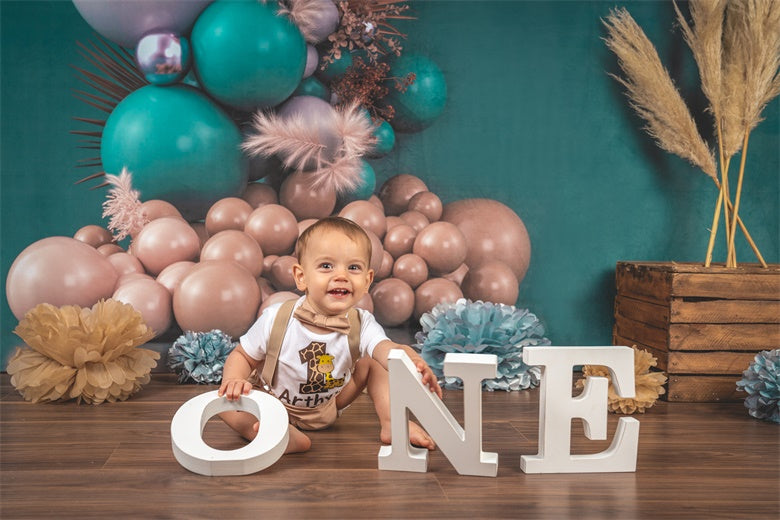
(308, 316)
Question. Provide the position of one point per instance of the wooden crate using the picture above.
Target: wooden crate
(704, 325)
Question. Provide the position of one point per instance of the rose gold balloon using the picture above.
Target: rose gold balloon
(231, 244)
(259, 194)
(266, 289)
(417, 220)
(171, 276)
(396, 192)
(281, 275)
(377, 251)
(227, 213)
(442, 246)
(457, 275)
(125, 263)
(155, 208)
(305, 201)
(412, 269)
(277, 297)
(366, 303)
(433, 292)
(394, 221)
(149, 298)
(273, 227)
(386, 268)
(268, 262)
(366, 215)
(373, 199)
(493, 232)
(393, 302)
(303, 225)
(400, 240)
(131, 277)
(492, 281)
(427, 203)
(200, 229)
(164, 241)
(93, 235)
(217, 294)
(109, 249)
(60, 271)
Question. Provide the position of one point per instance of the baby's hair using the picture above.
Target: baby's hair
(339, 224)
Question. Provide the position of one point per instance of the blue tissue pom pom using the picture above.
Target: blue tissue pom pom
(200, 356)
(482, 328)
(762, 383)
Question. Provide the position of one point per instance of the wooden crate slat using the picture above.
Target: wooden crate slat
(715, 363)
(639, 332)
(703, 389)
(661, 356)
(652, 314)
(724, 311)
(733, 336)
(738, 287)
(635, 281)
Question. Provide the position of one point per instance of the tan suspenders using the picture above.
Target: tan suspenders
(279, 328)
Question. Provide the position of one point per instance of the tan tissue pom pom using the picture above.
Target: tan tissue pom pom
(649, 385)
(88, 354)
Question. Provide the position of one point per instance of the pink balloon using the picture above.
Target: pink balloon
(492, 281)
(457, 275)
(164, 241)
(393, 302)
(417, 220)
(394, 221)
(259, 194)
(60, 271)
(399, 240)
(433, 292)
(231, 244)
(427, 203)
(155, 208)
(493, 232)
(303, 225)
(227, 213)
(93, 235)
(131, 277)
(266, 289)
(377, 251)
(442, 246)
(396, 192)
(281, 275)
(277, 297)
(200, 229)
(125, 263)
(366, 303)
(171, 276)
(412, 269)
(149, 298)
(305, 201)
(109, 249)
(268, 262)
(385, 268)
(217, 294)
(373, 199)
(273, 227)
(366, 215)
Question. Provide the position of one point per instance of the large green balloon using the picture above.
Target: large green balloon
(178, 145)
(247, 56)
(424, 100)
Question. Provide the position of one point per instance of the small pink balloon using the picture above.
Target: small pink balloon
(155, 208)
(427, 203)
(93, 235)
(396, 192)
(149, 298)
(109, 249)
(386, 268)
(131, 277)
(305, 201)
(235, 245)
(303, 225)
(399, 240)
(366, 303)
(373, 199)
(281, 275)
(125, 263)
(227, 213)
(164, 241)
(492, 281)
(366, 215)
(377, 251)
(266, 289)
(432, 292)
(412, 269)
(393, 221)
(417, 220)
(442, 246)
(217, 294)
(457, 275)
(259, 194)
(277, 297)
(200, 229)
(393, 302)
(268, 262)
(274, 227)
(171, 276)
(60, 271)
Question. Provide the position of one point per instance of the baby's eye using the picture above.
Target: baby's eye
(326, 265)
(355, 267)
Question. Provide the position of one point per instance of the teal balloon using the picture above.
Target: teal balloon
(178, 145)
(336, 69)
(419, 106)
(385, 140)
(365, 188)
(311, 86)
(245, 55)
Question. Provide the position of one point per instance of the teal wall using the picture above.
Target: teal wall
(532, 120)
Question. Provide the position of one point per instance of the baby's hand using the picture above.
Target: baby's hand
(429, 379)
(234, 388)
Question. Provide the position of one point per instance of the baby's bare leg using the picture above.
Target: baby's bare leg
(247, 426)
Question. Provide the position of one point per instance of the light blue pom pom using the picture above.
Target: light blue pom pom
(200, 356)
(762, 383)
(482, 328)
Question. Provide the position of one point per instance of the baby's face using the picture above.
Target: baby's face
(334, 272)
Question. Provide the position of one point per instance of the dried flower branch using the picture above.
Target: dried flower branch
(366, 83)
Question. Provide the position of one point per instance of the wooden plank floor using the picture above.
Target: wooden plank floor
(115, 461)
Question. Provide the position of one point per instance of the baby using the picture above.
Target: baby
(330, 350)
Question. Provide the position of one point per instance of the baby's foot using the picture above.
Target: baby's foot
(417, 436)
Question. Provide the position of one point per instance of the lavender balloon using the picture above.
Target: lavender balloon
(163, 58)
